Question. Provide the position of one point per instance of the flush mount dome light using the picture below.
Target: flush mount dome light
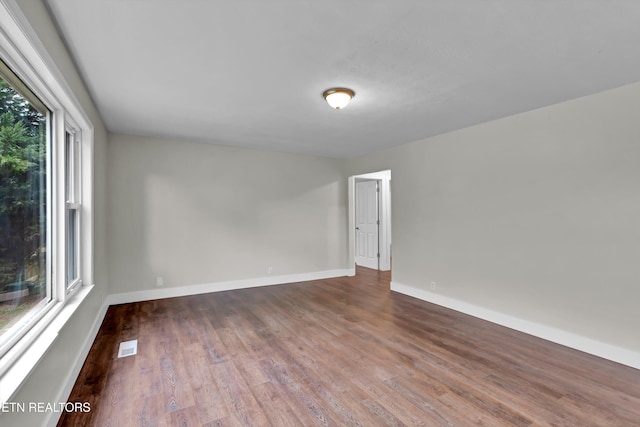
(338, 97)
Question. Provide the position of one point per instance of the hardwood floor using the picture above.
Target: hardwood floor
(339, 352)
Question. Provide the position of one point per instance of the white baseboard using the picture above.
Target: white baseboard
(568, 339)
(151, 294)
(72, 376)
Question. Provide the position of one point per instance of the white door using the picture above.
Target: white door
(367, 254)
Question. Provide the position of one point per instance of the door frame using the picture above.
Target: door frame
(384, 232)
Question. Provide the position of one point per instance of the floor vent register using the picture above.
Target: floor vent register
(128, 348)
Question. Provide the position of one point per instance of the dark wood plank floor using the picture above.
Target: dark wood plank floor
(338, 352)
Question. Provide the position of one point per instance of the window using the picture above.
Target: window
(72, 193)
(25, 282)
(30, 208)
(46, 200)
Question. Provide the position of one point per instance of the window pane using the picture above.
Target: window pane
(24, 287)
(72, 245)
(68, 183)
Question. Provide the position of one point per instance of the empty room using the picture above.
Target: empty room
(335, 213)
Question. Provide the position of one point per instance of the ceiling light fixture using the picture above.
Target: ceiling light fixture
(338, 97)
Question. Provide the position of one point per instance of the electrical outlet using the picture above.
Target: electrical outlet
(269, 270)
(433, 286)
(159, 281)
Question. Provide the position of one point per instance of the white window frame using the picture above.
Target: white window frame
(23, 52)
(25, 323)
(73, 203)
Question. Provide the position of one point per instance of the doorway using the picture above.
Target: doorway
(370, 221)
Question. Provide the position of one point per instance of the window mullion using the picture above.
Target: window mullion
(60, 196)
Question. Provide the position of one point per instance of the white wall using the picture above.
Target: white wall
(48, 380)
(535, 216)
(198, 213)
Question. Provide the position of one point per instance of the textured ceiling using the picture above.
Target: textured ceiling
(252, 73)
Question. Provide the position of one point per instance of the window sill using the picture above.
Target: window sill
(32, 347)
